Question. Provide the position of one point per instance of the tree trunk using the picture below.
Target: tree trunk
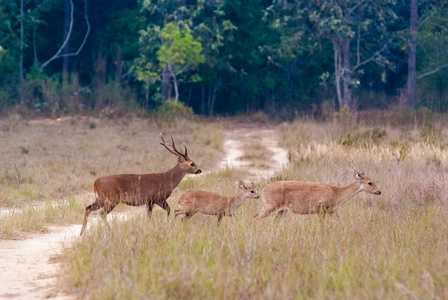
(22, 37)
(118, 67)
(166, 75)
(100, 78)
(212, 99)
(203, 100)
(411, 93)
(347, 73)
(337, 71)
(147, 85)
(65, 59)
(166, 84)
(176, 88)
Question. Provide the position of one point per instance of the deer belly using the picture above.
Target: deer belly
(211, 208)
(304, 206)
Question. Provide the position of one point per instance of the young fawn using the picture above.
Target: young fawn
(140, 189)
(192, 202)
(304, 197)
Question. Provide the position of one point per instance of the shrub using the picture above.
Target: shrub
(172, 109)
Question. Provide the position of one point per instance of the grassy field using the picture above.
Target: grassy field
(393, 246)
(48, 167)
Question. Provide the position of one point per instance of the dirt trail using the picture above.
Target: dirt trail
(267, 137)
(28, 269)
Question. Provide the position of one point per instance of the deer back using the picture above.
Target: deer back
(202, 201)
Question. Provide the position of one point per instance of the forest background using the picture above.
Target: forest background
(222, 57)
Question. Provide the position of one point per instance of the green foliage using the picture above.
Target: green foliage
(42, 92)
(172, 109)
(224, 57)
(179, 52)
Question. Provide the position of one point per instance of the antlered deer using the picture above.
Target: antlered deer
(192, 202)
(139, 189)
(304, 197)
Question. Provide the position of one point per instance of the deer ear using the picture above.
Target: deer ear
(241, 184)
(358, 175)
(180, 159)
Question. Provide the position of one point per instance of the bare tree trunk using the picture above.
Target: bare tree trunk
(100, 78)
(147, 84)
(176, 88)
(347, 73)
(118, 67)
(166, 84)
(65, 58)
(22, 37)
(212, 98)
(166, 75)
(411, 93)
(337, 71)
(202, 99)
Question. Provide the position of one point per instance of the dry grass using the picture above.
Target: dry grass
(392, 246)
(49, 162)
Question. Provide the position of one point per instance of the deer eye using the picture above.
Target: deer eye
(370, 183)
(252, 192)
(192, 164)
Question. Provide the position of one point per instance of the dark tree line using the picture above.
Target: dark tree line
(223, 57)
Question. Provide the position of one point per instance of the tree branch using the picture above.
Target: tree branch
(433, 71)
(58, 54)
(372, 57)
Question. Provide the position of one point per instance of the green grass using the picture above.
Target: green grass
(36, 219)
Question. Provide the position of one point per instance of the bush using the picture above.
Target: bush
(172, 109)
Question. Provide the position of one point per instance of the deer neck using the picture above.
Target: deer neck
(174, 176)
(346, 193)
(236, 202)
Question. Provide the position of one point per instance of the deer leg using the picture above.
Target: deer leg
(187, 216)
(220, 217)
(281, 213)
(106, 209)
(166, 207)
(265, 211)
(149, 206)
(182, 212)
(178, 212)
(92, 207)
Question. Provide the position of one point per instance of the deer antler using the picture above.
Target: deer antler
(175, 152)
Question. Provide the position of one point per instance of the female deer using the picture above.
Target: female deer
(192, 202)
(304, 197)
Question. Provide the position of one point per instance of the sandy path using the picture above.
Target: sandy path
(27, 267)
(267, 137)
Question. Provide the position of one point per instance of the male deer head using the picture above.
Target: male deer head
(182, 158)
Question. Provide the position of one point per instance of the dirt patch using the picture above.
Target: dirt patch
(268, 137)
(28, 268)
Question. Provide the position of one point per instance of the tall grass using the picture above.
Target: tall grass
(389, 246)
(392, 246)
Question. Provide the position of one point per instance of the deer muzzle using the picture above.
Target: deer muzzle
(198, 172)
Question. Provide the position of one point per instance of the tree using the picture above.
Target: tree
(67, 37)
(160, 13)
(179, 53)
(213, 29)
(358, 31)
